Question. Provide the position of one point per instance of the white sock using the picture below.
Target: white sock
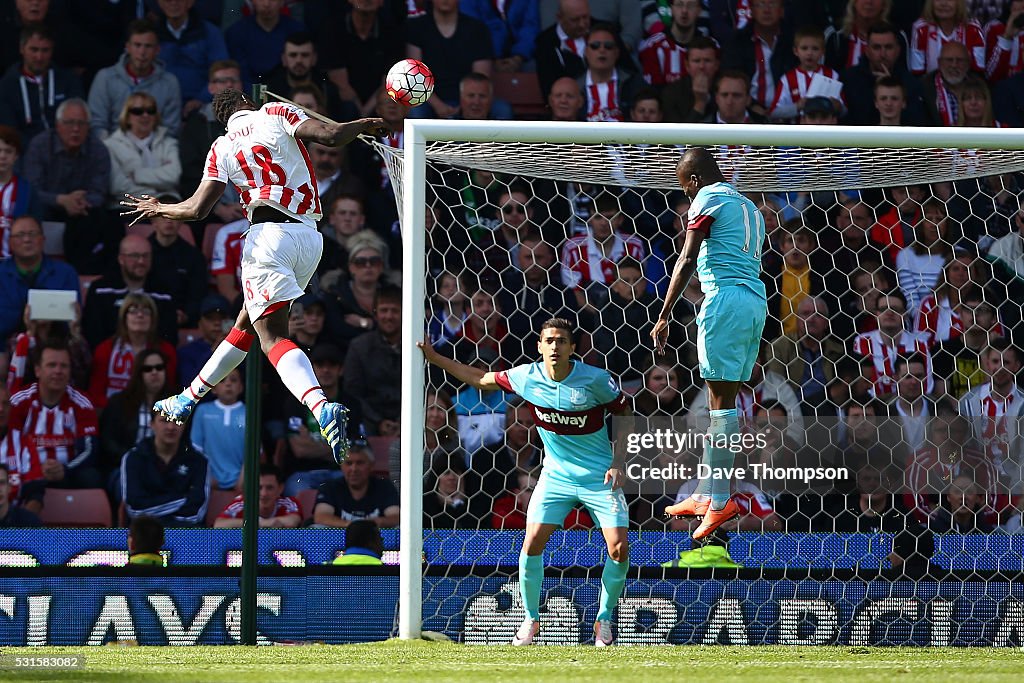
(226, 357)
(297, 374)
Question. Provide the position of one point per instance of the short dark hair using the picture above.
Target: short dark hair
(700, 42)
(147, 534)
(885, 27)
(734, 74)
(647, 93)
(140, 26)
(908, 358)
(388, 294)
(11, 136)
(1002, 345)
(629, 262)
(300, 38)
(50, 344)
(362, 533)
(274, 471)
(559, 324)
(808, 31)
(606, 202)
(227, 102)
(889, 82)
(29, 31)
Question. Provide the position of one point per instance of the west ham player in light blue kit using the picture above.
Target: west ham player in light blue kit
(724, 236)
(569, 401)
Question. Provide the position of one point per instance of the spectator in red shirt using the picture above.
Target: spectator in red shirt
(277, 511)
(51, 440)
(510, 508)
(137, 330)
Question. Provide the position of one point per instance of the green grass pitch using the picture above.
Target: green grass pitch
(421, 661)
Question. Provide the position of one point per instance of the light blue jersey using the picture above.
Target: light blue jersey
(571, 418)
(731, 253)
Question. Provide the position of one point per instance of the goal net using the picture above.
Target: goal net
(883, 469)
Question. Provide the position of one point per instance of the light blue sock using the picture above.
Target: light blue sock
(613, 578)
(531, 576)
(725, 424)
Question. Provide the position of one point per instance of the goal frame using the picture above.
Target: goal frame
(418, 133)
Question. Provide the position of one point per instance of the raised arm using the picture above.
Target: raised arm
(338, 134)
(194, 208)
(481, 379)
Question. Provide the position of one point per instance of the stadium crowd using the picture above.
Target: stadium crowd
(892, 346)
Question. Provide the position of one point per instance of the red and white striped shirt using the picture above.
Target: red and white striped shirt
(285, 505)
(39, 433)
(583, 261)
(662, 59)
(226, 258)
(1003, 55)
(792, 89)
(603, 99)
(762, 85)
(8, 200)
(927, 39)
(994, 420)
(260, 155)
(936, 321)
(883, 357)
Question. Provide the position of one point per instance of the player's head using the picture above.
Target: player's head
(556, 343)
(696, 169)
(145, 535)
(227, 102)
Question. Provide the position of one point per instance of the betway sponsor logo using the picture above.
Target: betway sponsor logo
(577, 420)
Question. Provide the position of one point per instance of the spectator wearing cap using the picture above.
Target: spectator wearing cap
(373, 366)
(480, 413)
(179, 266)
(357, 494)
(308, 457)
(819, 111)
(309, 326)
(213, 311)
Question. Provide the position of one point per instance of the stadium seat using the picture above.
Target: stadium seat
(522, 91)
(381, 447)
(76, 508)
(53, 234)
(209, 236)
(217, 502)
(307, 499)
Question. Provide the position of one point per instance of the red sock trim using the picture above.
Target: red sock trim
(204, 381)
(316, 405)
(303, 399)
(279, 349)
(240, 339)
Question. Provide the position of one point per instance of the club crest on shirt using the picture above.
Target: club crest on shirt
(183, 470)
(577, 396)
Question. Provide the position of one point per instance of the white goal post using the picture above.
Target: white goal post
(760, 158)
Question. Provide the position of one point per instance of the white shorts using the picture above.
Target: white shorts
(278, 261)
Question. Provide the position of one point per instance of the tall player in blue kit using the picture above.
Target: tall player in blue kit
(569, 400)
(724, 236)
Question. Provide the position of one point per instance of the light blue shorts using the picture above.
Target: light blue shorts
(553, 500)
(729, 328)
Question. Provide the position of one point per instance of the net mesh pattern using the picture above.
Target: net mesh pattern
(895, 281)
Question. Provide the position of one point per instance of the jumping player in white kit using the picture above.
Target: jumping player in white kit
(262, 154)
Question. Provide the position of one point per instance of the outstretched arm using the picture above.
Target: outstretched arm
(338, 134)
(485, 381)
(681, 274)
(194, 208)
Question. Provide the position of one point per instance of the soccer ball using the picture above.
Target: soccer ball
(410, 82)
